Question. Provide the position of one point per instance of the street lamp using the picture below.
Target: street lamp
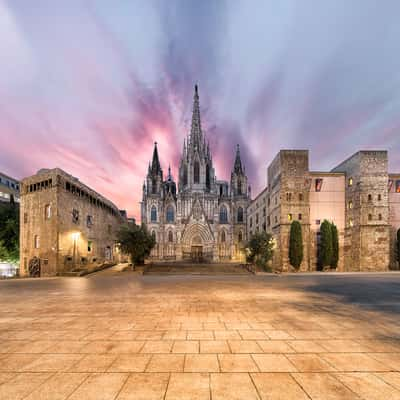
(75, 237)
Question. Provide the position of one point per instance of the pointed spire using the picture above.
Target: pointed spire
(195, 132)
(238, 162)
(155, 165)
(169, 177)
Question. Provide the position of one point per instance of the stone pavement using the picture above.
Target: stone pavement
(119, 335)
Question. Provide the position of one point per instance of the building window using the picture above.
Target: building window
(223, 237)
(317, 222)
(170, 237)
(185, 176)
(379, 197)
(369, 217)
(153, 214)
(256, 218)
(223, 215)
(89, 246)
(36, 241)
(153, 235)
(350, 222)
(288, 196)
(397, 186)
(47, 211)
(240, 214)
(251, 222)
(170, 214)
(269, 201)
(240, 237)
(289, 217)
(380, 217)
(318, 184)
(208, 180)
(25, 218)
(154, 186)
(264, 226)
(350, 205)
(350, 181)
(196, 172)
(301, 196)
(268, 220)
(276, 219)
(264, 212)
(89, 221)
(75, 216)
(300, 217)
(370, 197)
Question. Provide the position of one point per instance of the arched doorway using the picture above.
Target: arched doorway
(196, 249)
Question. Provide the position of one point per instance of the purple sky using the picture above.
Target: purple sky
(88, 86)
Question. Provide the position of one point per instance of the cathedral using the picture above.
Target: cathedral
(201, 219)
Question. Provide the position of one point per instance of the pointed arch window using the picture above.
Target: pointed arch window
(223, 237)
(153, 186)
(153, 214)
(240, 214)
(208, 180)
(153, 235)
(170, 213)
(185, 176)
(223, 215)
(170, 237)
(196, 172)
(239, 186)
(240, 237)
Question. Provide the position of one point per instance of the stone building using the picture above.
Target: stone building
(9, 189)
(201, 218)
(64, 225)
(358, 195)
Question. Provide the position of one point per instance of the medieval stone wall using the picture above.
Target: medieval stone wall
(65, 224)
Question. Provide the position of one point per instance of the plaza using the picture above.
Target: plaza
(118, 334)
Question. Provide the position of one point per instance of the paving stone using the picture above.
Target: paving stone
(130, 363)
(94, 363)
(273, 363)
(201, 363)
(309, 363)
(232, 386)
(357, 362)
(194, 386)
(214, 346)
(237, 363)
(278, 386)
(166, 363)
(22, 385)
(144, 387)
(185, 346)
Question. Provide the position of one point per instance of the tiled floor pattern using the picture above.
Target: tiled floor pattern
(208, 338)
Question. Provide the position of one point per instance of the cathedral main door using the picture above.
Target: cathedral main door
(196, 253)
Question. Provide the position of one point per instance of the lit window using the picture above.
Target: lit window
(289, 217)
(36, 241)
(350, 181)
(350, 222)
(47, 211)
(89, 246)
(350, 204)
(397, 186)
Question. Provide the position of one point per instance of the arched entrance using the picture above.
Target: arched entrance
(197, 242)
(196, 249)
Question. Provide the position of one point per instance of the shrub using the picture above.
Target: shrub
(295, 245)
(260, 249)
(326, 250)
(335, 246)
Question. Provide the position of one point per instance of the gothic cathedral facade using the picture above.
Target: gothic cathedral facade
(203, 219)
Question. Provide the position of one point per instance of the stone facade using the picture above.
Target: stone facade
(64, 225)
(203, 218)
(354, 195)
(9, 189)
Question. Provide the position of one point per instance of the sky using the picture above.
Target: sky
(89, 86)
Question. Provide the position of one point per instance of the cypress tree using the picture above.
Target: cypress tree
(335, 246)
(326, 244)
(295, 245)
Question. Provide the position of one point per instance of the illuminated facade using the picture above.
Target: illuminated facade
(64, 225)
(203, 218)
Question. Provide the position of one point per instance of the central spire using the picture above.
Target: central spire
(196, 135)
(238, 162)
(155, 164)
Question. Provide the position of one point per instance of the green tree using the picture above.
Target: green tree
(136, 241)
(325, 250)
(9, 233)
(335, 246)
(260, 249)
(295, 245)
